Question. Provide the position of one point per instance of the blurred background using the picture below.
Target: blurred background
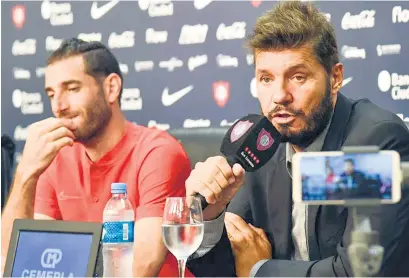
(184, 62)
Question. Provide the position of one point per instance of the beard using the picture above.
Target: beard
(315, 123)
(95, 118)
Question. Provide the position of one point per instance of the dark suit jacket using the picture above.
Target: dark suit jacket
(266, 201)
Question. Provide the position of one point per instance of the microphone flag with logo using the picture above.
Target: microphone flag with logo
(251, 141)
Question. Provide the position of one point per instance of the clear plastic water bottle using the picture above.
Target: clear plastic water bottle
(118, 234)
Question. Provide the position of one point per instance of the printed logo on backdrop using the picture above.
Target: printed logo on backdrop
(201, 4)
(365, 19)
(226, 61)
(255, 3)
(235, 31)
(124, 40)
(40, 72)
(98, 11)
(18, 16)
(225, 123)
(403, 117)
(124, 68)
(156, 8)
(388, 49)
(191, 123)
(250, 59)
(90, 37)
(193, 34)
(397, 84)
(327, 16)
(29, 103)
(161, 126)
(155, 37)
(26, 47)
(51, 43)
(57, 13)
(171, 64)
(20, 133)
(239, 130)
(221, 92)
(131, 99)
(20, 73)
(253, 87)
(346, 81)
(353, 52)
(169, 99)
(400, 15)
(143, 66)
(196, 61)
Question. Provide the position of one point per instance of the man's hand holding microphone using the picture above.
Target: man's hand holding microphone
(217, 181)
(247, 146)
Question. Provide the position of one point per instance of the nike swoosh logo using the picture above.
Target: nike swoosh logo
(346, 81)
(169, 99)
(98, 12)
(200, 4)
(63, 197)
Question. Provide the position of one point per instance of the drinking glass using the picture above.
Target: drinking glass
(182, 228)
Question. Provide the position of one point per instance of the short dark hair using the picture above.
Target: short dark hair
(98, 59)
(350, 161)
(292, 24)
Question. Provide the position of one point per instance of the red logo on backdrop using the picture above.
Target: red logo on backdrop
(18, 15)
(221, 92)
(264, 140)
(255, 3)
(239, 130)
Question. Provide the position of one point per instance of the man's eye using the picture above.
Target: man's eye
(73, 89)
(299, 78)
(265, 80)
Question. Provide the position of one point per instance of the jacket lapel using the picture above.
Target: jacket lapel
(333, 141)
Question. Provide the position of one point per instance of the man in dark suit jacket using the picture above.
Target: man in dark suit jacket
(298, 81)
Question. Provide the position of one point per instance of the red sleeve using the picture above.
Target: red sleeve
(46, 199)
(163, 174)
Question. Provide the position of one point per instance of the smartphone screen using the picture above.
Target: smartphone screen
(347, 176)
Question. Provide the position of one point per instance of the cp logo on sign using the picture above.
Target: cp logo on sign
(51, 257)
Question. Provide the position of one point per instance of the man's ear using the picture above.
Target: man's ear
(112, 86)
(337, 77)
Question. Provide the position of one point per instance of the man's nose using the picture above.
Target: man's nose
(281, 94)
(59, 105)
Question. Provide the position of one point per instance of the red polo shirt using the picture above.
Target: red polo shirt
(151, 162)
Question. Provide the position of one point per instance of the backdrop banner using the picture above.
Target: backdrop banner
(184, 62)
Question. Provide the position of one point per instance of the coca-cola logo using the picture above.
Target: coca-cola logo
(239, 130)
(264, 140)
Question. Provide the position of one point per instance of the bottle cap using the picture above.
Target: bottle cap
(118, 188)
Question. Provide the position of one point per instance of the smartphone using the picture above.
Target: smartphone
(338, 178)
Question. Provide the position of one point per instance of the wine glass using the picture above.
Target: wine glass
(182, 228)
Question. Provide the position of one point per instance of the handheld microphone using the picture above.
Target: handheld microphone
(250, 142)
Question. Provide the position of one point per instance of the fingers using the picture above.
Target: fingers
(260, 232)
(209, 179)
(238, 172)
(59, 133)
(51, 124)
(195, 186)
(239, 223)
(233, 233)
(224, 175)
(60, 143)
